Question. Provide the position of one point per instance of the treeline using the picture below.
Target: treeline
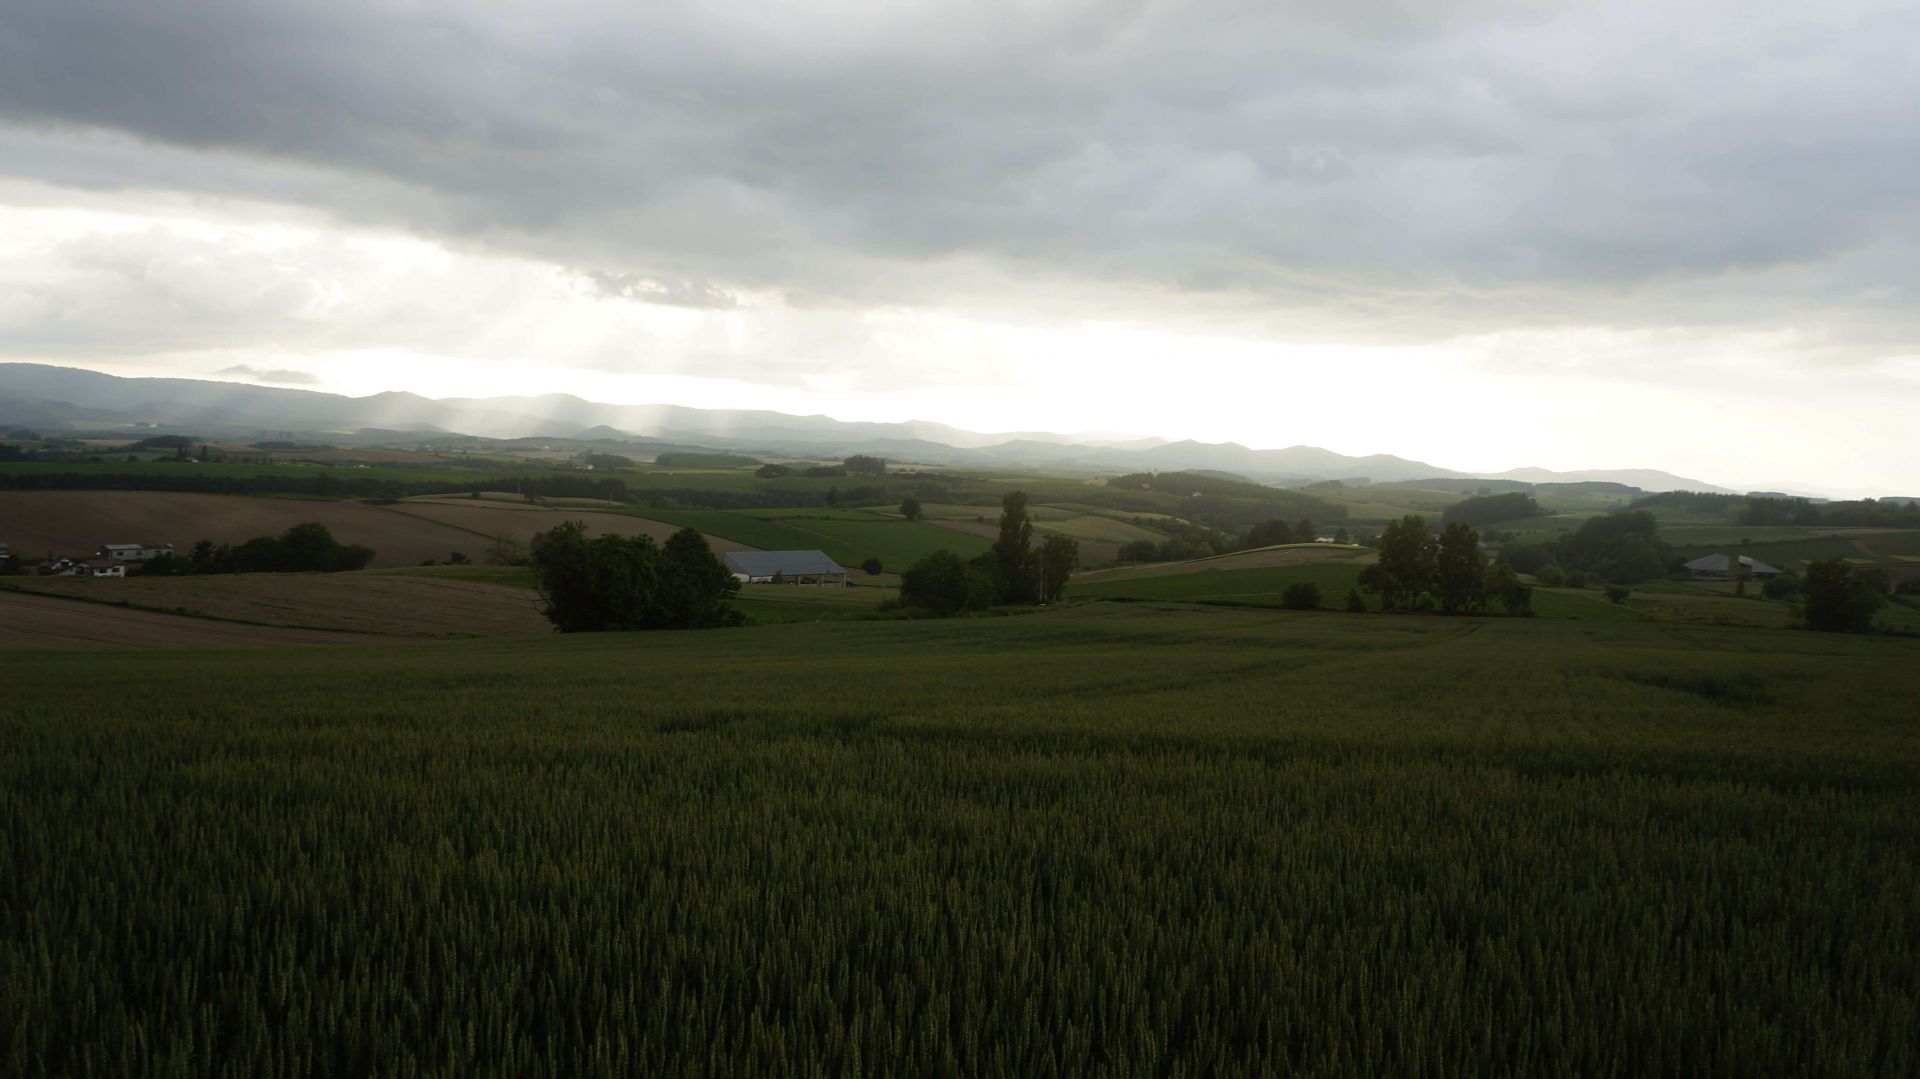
(1487, 509)
(1776, 510)
(303, 548)
(705, 460)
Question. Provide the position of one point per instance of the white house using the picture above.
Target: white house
(134, 552)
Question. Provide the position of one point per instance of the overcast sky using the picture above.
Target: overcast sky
(1484, 234)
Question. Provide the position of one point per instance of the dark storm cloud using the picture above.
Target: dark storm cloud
(1466, 157)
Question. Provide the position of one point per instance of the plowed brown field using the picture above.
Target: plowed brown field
(360, 602)
(44, 622)
(66, 523)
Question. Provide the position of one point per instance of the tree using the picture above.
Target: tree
(1837, 599)
(1403, 576)
(1303, 531)
(910, 508)
(1056, 561)
(861, 464)
(873, 566)
(1618, 593)
(1301, 596)
(1013, 552)
(1340, 535)
(1503, 585)
(505, 550)
(628, 582)
(1550, 575)
(1270, 533)
(1458, 570)
(697, 590)
(1782, 587)
(1140, 550)
(943, 582)
(1355, 603)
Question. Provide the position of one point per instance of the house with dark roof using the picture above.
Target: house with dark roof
(793, 567)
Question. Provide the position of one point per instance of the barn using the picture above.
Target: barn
(792, 567)
(1716, 566)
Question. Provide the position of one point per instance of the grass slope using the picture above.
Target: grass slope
(1115, 838)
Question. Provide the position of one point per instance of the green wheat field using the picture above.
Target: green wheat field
(1119, 838)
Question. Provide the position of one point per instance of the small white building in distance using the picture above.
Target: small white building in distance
(134, 552)
(793, 567)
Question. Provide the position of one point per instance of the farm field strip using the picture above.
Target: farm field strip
(384, 603)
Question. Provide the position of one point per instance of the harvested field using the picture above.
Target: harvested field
(38, 623)
(387, 604)
(478, 519)
(78, 522)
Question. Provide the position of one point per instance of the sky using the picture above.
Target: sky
(1484, 234)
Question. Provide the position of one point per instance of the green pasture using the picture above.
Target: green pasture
(1113, 838)
(849, 537)
(1261, 586)
(773, 603)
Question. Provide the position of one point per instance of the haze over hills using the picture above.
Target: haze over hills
(64, 398)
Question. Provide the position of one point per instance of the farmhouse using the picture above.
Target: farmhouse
(1719, 566)
(794, 567)
(90, 567)
(134, 552)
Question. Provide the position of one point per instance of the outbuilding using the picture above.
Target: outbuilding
(1719, 566)
(792, 567)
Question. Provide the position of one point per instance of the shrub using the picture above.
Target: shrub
(1301, 596)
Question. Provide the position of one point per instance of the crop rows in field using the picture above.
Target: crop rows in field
(1122, 837)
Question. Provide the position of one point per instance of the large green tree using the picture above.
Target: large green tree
(1838, 600)
(946, 584)
(1459, 573)
(1403, 577)
(1055, 562)
(1019, 580)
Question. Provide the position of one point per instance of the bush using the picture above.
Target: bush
(1782, 587)
(945, 584)
(1576, 578)
(1302, 596)
(873, 567)
(1550, 575)
(1355, 603)
(1617, 593)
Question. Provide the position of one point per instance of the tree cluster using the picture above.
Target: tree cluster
(1419, 571)
(1012, 571)
(1840, 599)
(303, 548)
(1487, 509)
(1621, 548)
(1274, 532)
(629, 582)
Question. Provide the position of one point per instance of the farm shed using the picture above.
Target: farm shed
(134, 552)
(794, 567)
(1719, 565)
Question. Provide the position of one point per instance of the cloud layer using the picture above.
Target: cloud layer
(799, 194)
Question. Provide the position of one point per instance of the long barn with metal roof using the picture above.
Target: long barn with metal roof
(795, 567)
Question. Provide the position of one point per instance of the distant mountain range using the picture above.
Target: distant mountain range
(67, 399)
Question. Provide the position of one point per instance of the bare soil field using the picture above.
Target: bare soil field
(401, 534)
(78, 522)
(479, 518)
(39, 623)
(358, 602)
